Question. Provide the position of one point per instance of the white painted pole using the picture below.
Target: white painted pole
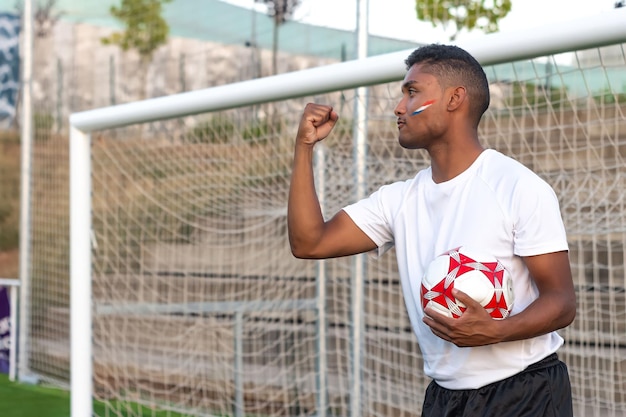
(81, 367)
(322, 334)
(240, 406)
(360, 183)
(606, 28)
(26, 133)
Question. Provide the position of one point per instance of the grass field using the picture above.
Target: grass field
(21, 400)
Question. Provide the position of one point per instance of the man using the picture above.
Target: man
(468, 196)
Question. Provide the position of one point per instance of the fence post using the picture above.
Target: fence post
(112, 80)
(25, 196)
(322, 365)
(59, 103)
(360, 180)
(239, 398)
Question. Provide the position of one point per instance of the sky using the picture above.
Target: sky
(397, 18)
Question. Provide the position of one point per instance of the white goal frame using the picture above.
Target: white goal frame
(593, 31)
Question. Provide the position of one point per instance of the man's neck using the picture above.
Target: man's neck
(449, 161)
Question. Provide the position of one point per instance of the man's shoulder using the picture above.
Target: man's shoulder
(403, 185)
(497, 165)
(506, 176)
(496, 159)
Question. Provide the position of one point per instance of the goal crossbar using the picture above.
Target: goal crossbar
(594, 31)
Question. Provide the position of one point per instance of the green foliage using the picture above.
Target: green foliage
(607, 96)
(220, 129)
(9, 239)
(44, 125)
(465, 14)
(260, 131)
(536, 96)
(9, 192)
(146, 29)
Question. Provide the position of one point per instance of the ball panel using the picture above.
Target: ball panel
(475, 284)
(439, 309)
(479, 275)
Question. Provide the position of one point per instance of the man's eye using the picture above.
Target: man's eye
(412, 91)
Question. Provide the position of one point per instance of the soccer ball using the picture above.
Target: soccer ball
(478, 275)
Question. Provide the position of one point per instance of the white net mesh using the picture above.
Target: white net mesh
(199, 307)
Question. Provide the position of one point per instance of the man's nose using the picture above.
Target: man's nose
(400, 108)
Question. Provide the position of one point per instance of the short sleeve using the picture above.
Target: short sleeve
(374, 214)
(538, 226)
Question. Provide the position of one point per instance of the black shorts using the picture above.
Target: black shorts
(541, 390)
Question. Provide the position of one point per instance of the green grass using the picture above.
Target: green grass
(21, 400)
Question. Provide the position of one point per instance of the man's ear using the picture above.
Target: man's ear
(457, 98)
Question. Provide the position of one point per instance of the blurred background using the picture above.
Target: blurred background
(199, 307)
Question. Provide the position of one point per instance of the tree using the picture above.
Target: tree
(464, 14)
(44, 17)
(146, 30)
(280, 11)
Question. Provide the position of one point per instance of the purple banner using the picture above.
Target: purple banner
(5, 330)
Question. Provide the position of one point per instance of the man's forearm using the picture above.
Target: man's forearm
(548, 313)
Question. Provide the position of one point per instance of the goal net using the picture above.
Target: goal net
(199, 308)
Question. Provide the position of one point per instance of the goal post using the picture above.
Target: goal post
(81, 366)
(590, 32)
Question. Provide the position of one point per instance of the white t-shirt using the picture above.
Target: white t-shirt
(497, 205)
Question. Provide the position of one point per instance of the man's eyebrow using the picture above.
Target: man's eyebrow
(408, 84)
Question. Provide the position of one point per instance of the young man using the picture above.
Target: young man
(468, 196)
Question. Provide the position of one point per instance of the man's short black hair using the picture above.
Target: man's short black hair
(454, 66)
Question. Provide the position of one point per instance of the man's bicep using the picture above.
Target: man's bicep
(553, 277)
(551, 271)
(342, 237)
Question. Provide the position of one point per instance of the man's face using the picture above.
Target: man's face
(421, 110)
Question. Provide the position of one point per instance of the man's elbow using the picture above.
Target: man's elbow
(572, 312)
(569, 311)
(300, 254)
(302, 251)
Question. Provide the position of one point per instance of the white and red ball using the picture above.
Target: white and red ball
(479, 275)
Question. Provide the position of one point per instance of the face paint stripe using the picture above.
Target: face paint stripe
(423, 107)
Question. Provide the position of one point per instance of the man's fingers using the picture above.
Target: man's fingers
(322, 115)
(465, 299)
